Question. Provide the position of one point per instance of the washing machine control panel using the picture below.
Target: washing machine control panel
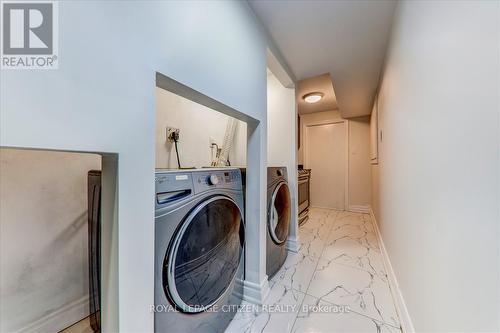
(213, 179)
(204, 180)
(232, 176)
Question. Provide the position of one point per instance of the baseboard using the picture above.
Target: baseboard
(292, 245)
(404, 316)
(239, 288)
(329, 208)
(61, 318)
(359, 209)
(256, 293)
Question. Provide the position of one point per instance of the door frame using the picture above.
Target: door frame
(346, 136)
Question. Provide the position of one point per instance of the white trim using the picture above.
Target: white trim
(347, 169)
(292, 244)
(346, 172)
(322, 207)
(360, 208)
(61, 318)
(374, 121)
(239, 285)
(276, 64)
(256, 293)
(404, 315)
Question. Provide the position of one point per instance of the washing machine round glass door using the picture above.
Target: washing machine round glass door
(204, 255)
(279, 213)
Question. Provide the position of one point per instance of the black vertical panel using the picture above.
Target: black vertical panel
(94, 247)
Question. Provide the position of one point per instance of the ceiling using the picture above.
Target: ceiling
(322, 84)
(347, 39)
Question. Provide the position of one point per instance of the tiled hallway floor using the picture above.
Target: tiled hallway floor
(336, 283)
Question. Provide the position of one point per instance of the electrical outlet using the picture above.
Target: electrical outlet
(171, 131)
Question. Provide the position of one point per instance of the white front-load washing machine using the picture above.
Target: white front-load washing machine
(199, 249)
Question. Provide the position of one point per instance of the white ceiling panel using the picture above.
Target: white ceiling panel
(347, 39)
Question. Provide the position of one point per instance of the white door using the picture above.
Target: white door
(326, 157)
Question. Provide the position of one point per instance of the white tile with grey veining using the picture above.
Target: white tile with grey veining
(357, 228)
(363, 291)
(318, 316)
(277, 314)
(314, 224)
(349, 252)
(320, 222)
(311, 242)
(296, 272)
(353, 242)
(314, 234)
(350, 218)
(318, 212)
(345, 217)
(339, 263)
(344, 214)
(332, 216)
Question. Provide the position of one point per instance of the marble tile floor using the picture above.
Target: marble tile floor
(336, 282)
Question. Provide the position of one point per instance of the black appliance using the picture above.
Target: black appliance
(94, 247)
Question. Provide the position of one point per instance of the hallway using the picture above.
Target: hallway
(337, 282)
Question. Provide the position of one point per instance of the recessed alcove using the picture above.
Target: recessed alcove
(255, 182)
(48, 247)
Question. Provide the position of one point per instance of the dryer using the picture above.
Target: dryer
(278, 218)
(199, 249)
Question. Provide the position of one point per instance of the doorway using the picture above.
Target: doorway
(326, 154)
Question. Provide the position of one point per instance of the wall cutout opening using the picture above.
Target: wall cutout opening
(206, 214)
(191, 135)
(199, 125)
(51, 239)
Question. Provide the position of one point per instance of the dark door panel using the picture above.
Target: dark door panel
(204, 255)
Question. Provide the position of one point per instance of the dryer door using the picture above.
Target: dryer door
(204, 255)
(279, 213)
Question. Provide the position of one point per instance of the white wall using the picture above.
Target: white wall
(359, 173)
(197, 125)
(359, 163)
(102, 98)
(43, 239)
(313, 118)
(439, 163)
(281, 123)
(282, 141)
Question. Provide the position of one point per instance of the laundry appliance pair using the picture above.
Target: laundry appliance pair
(200, 244)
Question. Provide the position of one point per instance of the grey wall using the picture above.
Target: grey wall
(439, 163)
(43, 239)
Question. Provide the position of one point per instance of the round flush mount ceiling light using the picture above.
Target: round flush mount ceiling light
(313, 97)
